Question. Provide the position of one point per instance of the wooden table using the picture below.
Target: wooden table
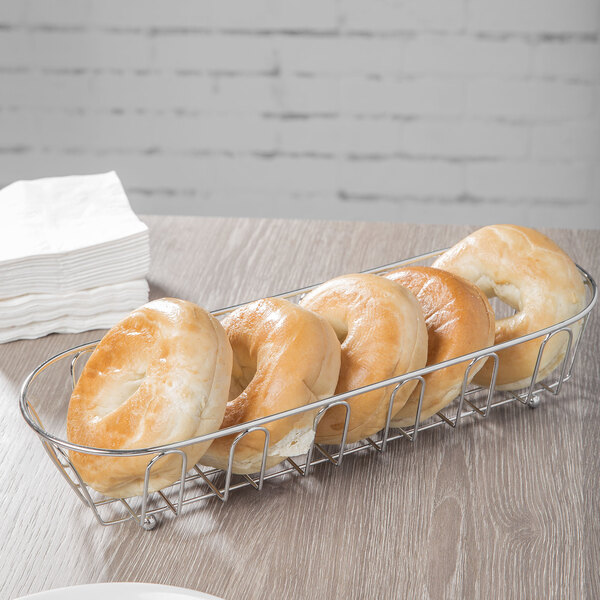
(502, 508)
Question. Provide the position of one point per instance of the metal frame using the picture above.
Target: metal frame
(200, 484)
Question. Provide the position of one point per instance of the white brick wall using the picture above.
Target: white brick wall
(531, 100)
(534, 16)
(417, 110)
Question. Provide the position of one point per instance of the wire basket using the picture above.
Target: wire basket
(46, 391)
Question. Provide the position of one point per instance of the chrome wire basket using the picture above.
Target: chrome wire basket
(46, 391)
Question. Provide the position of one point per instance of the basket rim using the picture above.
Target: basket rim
(29, 415)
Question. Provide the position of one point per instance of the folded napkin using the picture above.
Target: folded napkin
(65, 324)
(36, 308)
(69, 233)
(73, 256)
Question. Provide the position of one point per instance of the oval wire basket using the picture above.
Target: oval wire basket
(198, 483)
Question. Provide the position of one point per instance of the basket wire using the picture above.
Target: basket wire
(199, 484)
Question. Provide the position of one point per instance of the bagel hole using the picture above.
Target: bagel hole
(342, 338)
(248, 374)
(502, 310)
(341, 330)
(243, 372)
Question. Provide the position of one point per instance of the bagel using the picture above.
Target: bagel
(159, 376)
(284, 357)
(530, 273)
(382, 333)
(459, 321)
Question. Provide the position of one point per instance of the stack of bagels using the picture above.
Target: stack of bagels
(171, 372)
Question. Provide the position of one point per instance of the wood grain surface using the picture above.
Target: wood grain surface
(500, 508)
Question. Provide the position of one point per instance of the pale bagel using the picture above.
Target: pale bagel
(382, 333)
(459, 321)
(284, 357)
(530, 273)
(159, 376)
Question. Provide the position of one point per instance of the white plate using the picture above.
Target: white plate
(120, 591)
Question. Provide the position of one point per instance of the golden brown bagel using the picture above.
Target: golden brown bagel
(284, 357)
(530, 273)
(159, 376)
(382, 332)
(459, 320)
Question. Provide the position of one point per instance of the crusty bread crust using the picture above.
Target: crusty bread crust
(382, 332)
(529, 272)
(159, 376)
(459, 321)
(284, 357)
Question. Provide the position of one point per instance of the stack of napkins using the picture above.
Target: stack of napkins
(73, 256)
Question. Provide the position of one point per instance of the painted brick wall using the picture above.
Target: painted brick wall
(417, 110)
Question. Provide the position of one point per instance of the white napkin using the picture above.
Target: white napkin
(64, 324)
(64, 234)
(73, 256)
(33, 315)
(35, 308)
(65, 214)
